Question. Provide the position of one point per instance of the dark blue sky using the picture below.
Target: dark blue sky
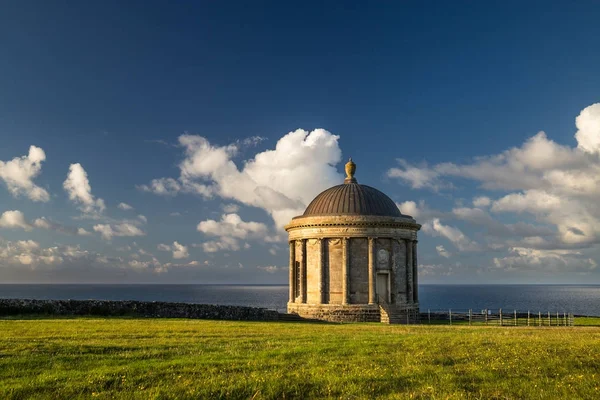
(94, 82)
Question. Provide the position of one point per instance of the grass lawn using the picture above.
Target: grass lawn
(177, 359)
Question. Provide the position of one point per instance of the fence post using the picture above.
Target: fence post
(528, 316)
(450, 314)
(565, 318)
(500, 317)
(539, 318)
(549, 322)
(429, 315)
(469, 317)
(515, 317)
(486, 316)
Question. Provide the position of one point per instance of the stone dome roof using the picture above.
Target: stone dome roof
(351, 198)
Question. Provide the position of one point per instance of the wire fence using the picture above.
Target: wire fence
(497, 317)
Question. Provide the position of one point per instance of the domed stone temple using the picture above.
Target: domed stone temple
(353, 257)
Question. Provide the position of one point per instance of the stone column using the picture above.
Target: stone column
(292, 270)
(415, 274)
(345, 272)
(303, 272)
(409, 272)
(372, 250)
(322, 288)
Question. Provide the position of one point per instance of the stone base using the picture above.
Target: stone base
(337, 312)
(390, 313)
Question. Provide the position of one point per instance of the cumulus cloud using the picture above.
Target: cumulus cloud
(108, 231)
(442, 251)
(272, 268)
(18, 175)
(31, 255)
(163, 187)
(230, 230)
(482, 201)
(79, 190)
(230, 208)
(548, 260)
(222, 244)
(179, 251)
(14, 219)
(232, 225)
(44, 223)
(418, 176)
(557, 185)
(576, 222)
(454, 235)
(281, 181)
(588, 129)
(125, 206)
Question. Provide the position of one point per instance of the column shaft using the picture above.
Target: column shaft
(292, 270)
(303, 272)
(415, 274)
(409, 272)
(371, 272)
(322, 266)
(345, 272)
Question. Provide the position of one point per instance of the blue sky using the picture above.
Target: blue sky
(183, 112)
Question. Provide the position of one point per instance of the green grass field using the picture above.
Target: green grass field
(178, 359)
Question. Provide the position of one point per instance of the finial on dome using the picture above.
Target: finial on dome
(350, 170)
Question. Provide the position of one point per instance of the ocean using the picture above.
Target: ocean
(577, 299)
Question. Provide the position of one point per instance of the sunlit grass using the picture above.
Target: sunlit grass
(178, 359)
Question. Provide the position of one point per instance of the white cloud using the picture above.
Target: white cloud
(280, 181)
(454, 235)
(436, 270)
(79, 190)
(272, 268)
(125, 206)
(179, 250)
(143, 218)
(555, 184)
(421, 212)
(418, 177)
(588, 129)
(83, 232)
(442, 251)
(162, 187)
(222, 244)
(18, 175)
(232, 225)
(120, 229)
(14, 219)
(482, 201)
(549, 260)
(44, 223)
(29, 254)
(230, 208)
(530, 201)
(409, 208)
(576, 221)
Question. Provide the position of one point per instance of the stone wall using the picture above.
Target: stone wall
(136, 309)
